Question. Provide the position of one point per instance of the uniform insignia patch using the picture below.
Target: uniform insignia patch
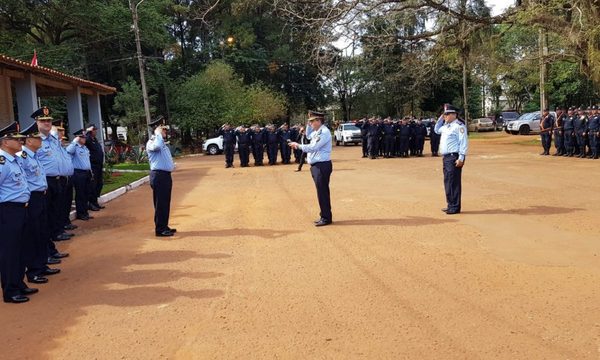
(24, 155)
(2, 159)
(462, 130)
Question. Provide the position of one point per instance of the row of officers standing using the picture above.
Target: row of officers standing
(576, 132)
(38, 173)
(257, 140)
(396, 138)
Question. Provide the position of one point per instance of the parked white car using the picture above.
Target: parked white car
(526, 124)
(347, 133)
(214, 145)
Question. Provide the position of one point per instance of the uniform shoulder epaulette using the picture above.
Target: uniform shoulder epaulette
(2, 159)
(152, 137)
(23, 154)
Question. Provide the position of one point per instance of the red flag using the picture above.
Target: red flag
(34, 60)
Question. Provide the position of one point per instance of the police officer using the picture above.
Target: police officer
(319, 158)
(580, 125)
(420, 134)
(272, 143)
(434, 139)
(243, 141)
(161, 166)
(559, 137)
(362, 125)
(454, 144)
(594, 132)
(302, 140)
(35, 254)
(97, 162)
(373, 131)
(569, 132)
(404, 136)
(388, 138)
(14, 199)
(82, 176)
(285, 136)
(546, 131)
(228, 135)
(66, 170)
(257, 136)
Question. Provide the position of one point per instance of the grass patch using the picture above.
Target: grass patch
(120, 179)
(486, 135)
(130, 166)
(530, 142)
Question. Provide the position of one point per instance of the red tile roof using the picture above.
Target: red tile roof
(53, 74)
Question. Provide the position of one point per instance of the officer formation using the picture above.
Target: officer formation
(389, 138)
(575, 132)
(39, 172)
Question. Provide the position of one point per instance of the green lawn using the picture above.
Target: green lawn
(121, 179)
(129, 166)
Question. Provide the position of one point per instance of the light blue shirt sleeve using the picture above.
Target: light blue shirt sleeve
(159, 154)
(319, 149)
(463, 142)
(80, 156)
(438, 125)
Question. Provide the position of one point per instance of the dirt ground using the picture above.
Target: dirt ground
(516, 276)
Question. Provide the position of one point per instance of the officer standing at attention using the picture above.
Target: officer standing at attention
(82, 176)
(319, 158)
(258, 144)
(594, 132)
(546, 131)
(243, 141)
(272, 142)
(434, 139)
(454, 144)
(228, 135)
(35, 251)
(285, 135)
(569, 132)
(420, 134)
(580, 125)
(161, 166)
(14, 199)
(66, 171)
(97, 161)
(559, 139)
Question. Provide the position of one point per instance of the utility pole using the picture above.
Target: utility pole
(543, 49)
(138, 46)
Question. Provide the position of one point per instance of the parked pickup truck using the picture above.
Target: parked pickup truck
(526, 124)
(347, 133)
(214, 145)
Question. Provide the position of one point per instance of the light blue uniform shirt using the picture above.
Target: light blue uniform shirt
(319, 149)
(454, 138)
(67, 165)
(50, 156)
(13, 183)
(80, 156)
(159, 154)
(36, 176)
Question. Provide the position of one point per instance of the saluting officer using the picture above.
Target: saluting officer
(420, 134)
(559, 137)
(272, 142)
(82, 174)
(228, 135)
(546, 131)
(454, 144)
(97, 161)
(285, 135)
(14, 199)
(66, 171)
(243, 141)
(258, 144)
(569, 132)
(594, 132)
(35, 254)
(434, 139)
(319, 158)
(580, 125)
(161, 166)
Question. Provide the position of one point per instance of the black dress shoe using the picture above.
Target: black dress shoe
(318, 220)
(62, 237)
(59, 255)
(53, 261)
(29, 291)
(69, 234)
(70, 227)
(38, 280)
(454, 212)
(93, 208)
(17, 299)
(84, 217)
(51, 271)
(445, 210)
(323, 222)
(172, 230)
(99, 206)
(165, 233)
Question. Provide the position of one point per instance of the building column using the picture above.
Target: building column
(7, 114)
(26, 99)
(74, 110)
(95, 115)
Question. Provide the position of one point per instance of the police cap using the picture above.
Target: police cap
(450, 109)
(32, 131)
(11, 131)
(42, 113)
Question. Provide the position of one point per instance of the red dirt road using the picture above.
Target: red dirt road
(516, 276)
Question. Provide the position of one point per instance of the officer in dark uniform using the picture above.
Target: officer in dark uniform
(594, 132)
(82, 177)
(228, 135)
(257, 136)
(362, 125)
(434, 139)
(97, 161)
(294, 130)
(388, 138)
(302, 140)
(546, 131)
(373, 132)
(420, 134)
(580, 125)
(35, 249)
(272, 143)
(569, 132)
(161, 166)
(66, 172)
(14, 199)
(404, 135)
(243, 140)
(559, 136)
(285, 136)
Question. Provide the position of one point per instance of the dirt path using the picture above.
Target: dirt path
(516, 276)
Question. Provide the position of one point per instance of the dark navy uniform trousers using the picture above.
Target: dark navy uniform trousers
(81, 180)
(321, 173)
(13, 217)
(452, 182)
(162, 184)
(228, 149)
(35, 249)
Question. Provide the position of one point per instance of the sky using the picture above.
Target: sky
(499, 5)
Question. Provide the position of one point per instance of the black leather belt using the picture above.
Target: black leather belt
(14, 204)
(452, 154)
